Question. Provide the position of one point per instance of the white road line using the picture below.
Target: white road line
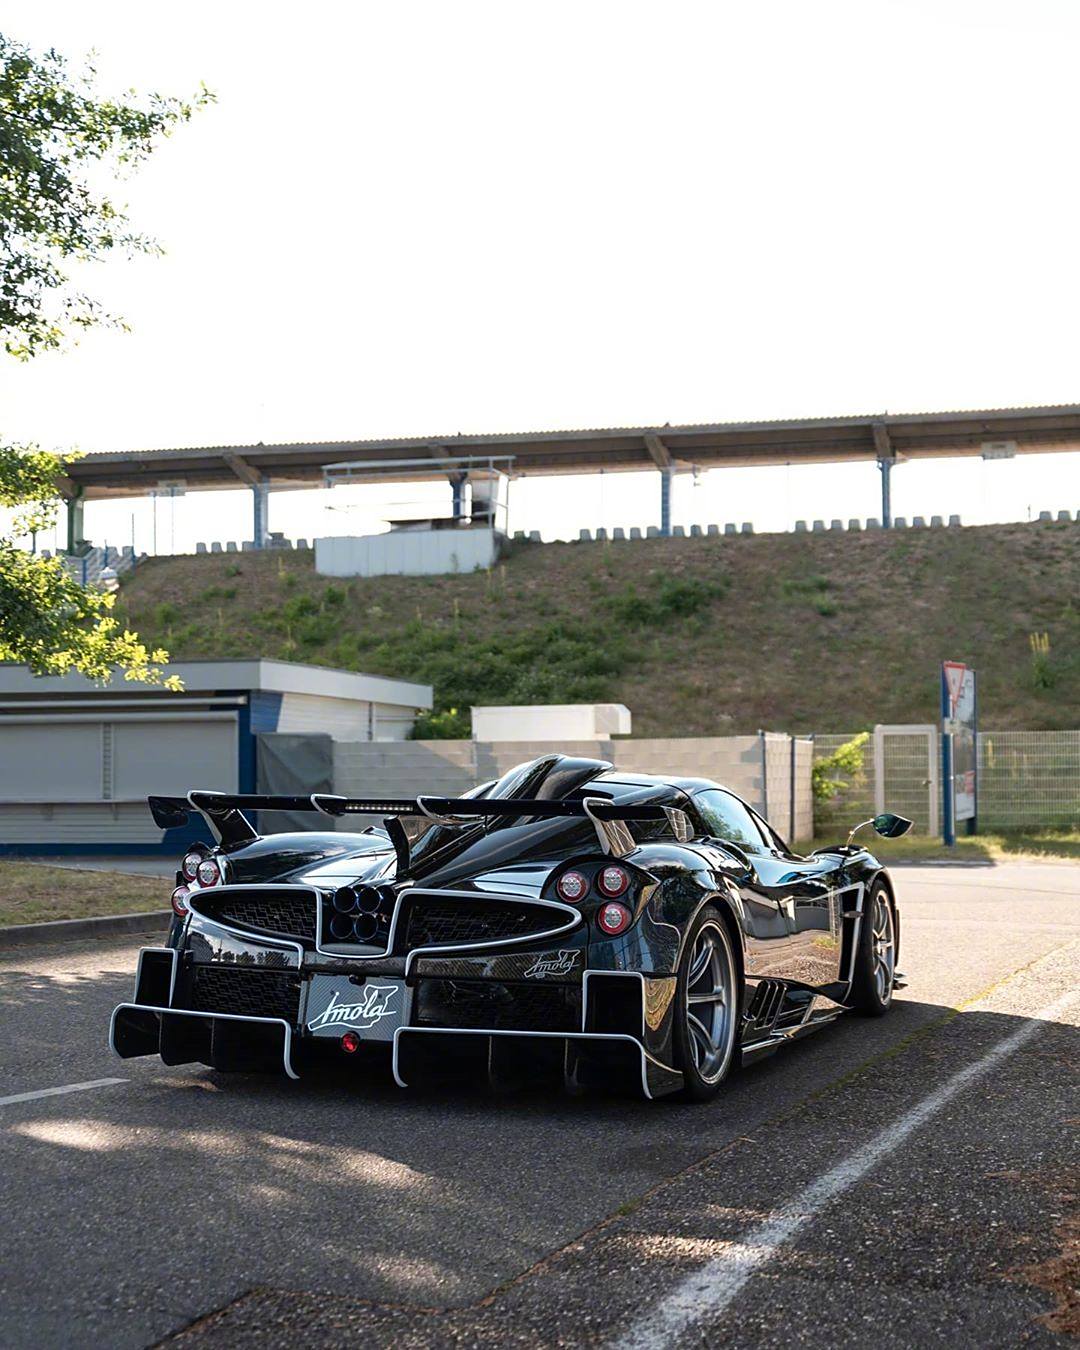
(60, 1091)
(708, 1291)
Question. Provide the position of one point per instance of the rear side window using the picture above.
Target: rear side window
(726, 817)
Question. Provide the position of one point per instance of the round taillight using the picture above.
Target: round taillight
(613, 880)
(208, 873)
(572, 886)
(179, 901)
(350, 1042)
(189, 864)
(613, 918)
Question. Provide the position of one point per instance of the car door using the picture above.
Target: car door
(791, 912)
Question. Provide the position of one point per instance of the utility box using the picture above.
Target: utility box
(554, 722)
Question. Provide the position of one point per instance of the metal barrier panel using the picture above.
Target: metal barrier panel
(1029, 778)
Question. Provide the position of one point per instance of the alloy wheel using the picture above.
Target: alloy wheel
(884, 947)
(710, 1002)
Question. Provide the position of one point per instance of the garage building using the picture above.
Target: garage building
(77, 761)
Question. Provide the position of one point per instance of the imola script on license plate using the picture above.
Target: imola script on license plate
(374, 1010)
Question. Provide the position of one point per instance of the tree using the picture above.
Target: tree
(59, 141)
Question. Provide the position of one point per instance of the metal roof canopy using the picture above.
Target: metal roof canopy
(816, 440)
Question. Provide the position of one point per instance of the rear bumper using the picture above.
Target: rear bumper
(606, 1044)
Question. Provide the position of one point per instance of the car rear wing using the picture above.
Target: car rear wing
(224, 812)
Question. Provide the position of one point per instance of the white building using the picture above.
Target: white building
(77, 761)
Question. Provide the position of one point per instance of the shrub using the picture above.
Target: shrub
(448, 725)
(846, 760)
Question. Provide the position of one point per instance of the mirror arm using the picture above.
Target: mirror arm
(855, 829)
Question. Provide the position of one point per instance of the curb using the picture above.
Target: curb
(72, 930)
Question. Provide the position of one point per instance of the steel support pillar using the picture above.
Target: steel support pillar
(75, 521)
(665, 501)
(260, 493)
(457, 486)
(886, 467)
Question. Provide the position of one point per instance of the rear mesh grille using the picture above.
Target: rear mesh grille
(248, 993)
(288, 915)
(445, 923)
(498, 1007)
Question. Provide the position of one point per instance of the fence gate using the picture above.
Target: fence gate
(906, 773)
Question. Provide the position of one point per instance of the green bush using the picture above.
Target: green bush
(847, 762)
(449, 725)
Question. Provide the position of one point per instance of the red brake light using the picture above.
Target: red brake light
(189, 864)
(208, 872)
(179, 901)
(572, 886)
(613, 918)
(613, 880)
(350, 1042)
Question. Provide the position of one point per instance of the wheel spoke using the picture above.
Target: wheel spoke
(701, 1035)
(709, 996)
(700, 961)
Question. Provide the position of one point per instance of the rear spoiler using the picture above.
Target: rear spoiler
(224, 812)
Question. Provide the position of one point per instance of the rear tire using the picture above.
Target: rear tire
(875, 957)
(707, 1007)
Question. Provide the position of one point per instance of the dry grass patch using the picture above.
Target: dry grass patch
(38, 893)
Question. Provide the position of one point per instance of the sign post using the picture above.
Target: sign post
(959, 749)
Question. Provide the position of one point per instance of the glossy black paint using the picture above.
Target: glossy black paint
(793, 920)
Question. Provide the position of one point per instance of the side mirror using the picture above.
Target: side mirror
(890, 826)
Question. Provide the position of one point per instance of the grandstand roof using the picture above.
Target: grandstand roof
(813, 440)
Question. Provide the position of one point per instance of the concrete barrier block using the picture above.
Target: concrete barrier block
(652, 532)
(1064, 515)
(854, 524)
(695, 531)
(677, 532)
(230, 547)
(635, 532)
(585, 536)
(200, 547)
(918, 522)
(248, 546)
(534, 536)
(819, 527)
(618, 533)
(730, 529)
(747, 527)
(872, 523)
(936, 522)
(800, 527)
(713, 530)
(520, 536)
(899, 523)
(954, 520)
(215, 547)
(1045, 515)
(836, 524)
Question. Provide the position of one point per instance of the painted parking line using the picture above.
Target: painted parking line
(709, 1291)
(60, 1091)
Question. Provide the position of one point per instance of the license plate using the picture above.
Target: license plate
(373, 1010)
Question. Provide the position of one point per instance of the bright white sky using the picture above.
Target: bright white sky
(408, 218)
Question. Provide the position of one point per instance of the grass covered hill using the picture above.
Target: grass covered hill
(827, 632)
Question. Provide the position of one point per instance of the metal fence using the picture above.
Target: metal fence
(1026, 778)
(1029, 778)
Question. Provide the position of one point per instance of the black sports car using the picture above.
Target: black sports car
(605, 928)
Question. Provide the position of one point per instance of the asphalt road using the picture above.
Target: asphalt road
(909, 1181)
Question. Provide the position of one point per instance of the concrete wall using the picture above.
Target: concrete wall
(409, 553)
(448, 768)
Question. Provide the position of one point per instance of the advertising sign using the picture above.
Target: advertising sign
(959, 752)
